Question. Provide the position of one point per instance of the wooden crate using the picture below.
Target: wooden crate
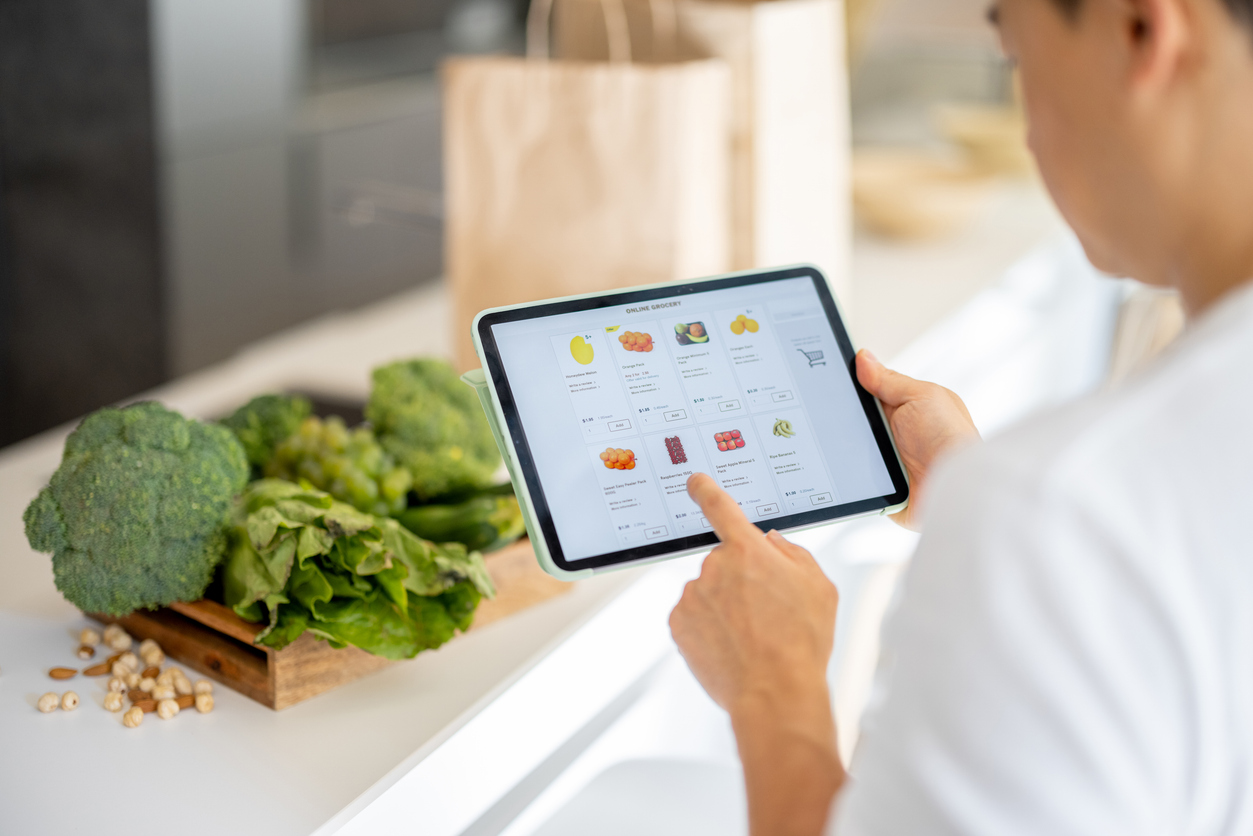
(209, 638)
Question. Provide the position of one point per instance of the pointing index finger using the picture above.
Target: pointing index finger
(720, 509)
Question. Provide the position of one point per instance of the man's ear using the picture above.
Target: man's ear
(1157, 35)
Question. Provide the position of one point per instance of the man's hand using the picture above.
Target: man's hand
(926, 419)
(757, 628)
(761, 617)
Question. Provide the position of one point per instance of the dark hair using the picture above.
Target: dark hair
(1241, 10)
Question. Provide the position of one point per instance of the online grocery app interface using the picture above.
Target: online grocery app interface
(620, 405)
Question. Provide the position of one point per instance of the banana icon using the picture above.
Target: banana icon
(783, 429)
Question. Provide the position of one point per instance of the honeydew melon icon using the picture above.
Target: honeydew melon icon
(581, 351)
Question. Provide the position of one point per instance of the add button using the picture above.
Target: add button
(654, 533)
(766, 510)
(820, 498)
(727, 406)
(780, 397)
(619, 426)
(676, 415)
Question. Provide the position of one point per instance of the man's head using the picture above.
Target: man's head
(1241, 10)
(1141, 119)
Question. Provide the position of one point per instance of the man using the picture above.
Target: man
(1072, 651)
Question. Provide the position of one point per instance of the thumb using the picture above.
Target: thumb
(892, 388)
(789, 548)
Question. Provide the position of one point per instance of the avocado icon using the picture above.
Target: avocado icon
(688, 333)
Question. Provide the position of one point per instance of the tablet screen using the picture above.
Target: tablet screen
(617, 404)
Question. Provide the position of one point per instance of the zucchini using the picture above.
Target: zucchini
(483, 523)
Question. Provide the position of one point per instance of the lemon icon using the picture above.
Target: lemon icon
(581, 351)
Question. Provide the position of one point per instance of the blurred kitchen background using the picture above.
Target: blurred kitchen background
(181, 178)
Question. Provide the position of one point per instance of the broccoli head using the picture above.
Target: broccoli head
(138, 512)
(265, 422)
(433, 424)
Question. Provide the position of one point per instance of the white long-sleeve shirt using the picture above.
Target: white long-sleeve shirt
(1072, 649)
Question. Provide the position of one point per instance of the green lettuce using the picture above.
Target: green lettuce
(305, 561)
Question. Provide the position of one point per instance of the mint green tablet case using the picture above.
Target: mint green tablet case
(478, 379)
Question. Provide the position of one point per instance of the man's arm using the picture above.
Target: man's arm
(757, 627)
(792, 770)
(757, 630)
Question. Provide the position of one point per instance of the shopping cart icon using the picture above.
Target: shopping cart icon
(814, 357)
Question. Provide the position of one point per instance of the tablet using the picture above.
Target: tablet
(605, 404)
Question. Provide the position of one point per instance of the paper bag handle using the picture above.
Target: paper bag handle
(665, 18)
(662, 12)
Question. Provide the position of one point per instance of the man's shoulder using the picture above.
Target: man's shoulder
(1167, 425)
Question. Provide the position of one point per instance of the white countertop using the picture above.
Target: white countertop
(283, 772)
(246, 769)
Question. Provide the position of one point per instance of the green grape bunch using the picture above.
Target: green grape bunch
(349, 464)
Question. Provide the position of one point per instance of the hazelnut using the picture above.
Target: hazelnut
(69, 701)
(117, 638)
(116, 684)
(132, 679)
(113, 701)
(203, 686)
(204, 703)
(147, 684)
(88, 637)
(166, 677)
(182, 685)
(151, 653)
(163, 692)
(133, 717)
(167, 709)
(48, 703)
(129, 659)
(85, 651)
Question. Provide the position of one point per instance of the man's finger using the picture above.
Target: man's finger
(720, 509)
(892, 388)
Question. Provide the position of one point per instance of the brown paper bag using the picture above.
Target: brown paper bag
(790, 187)
(567, 177)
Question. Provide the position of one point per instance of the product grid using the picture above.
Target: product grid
(658, 398)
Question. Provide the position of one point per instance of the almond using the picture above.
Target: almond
(146, 706)
(150, 672)
(63, 673)
(138, 696)
(186, 701)
(113, 659)
(97, 670)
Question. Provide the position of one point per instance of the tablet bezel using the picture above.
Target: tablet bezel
(513, 429)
